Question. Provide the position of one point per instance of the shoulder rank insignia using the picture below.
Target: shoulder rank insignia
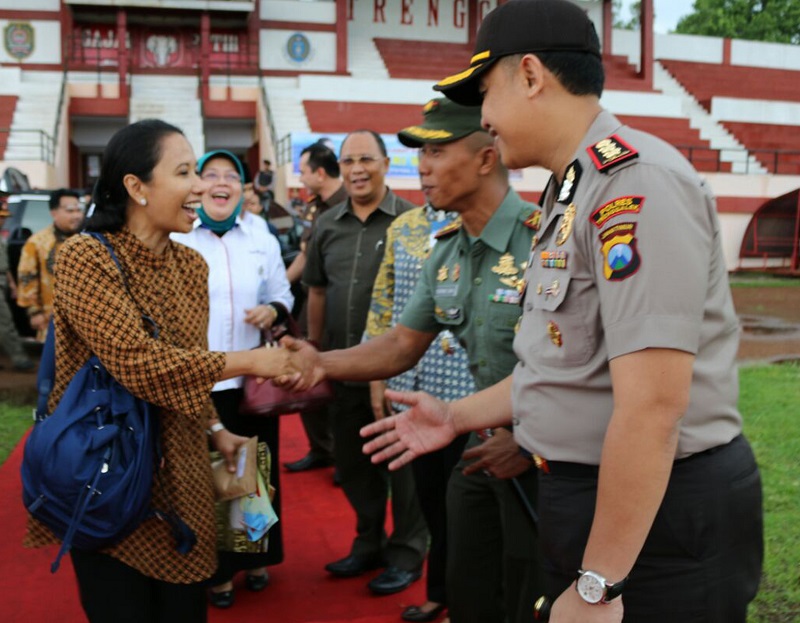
(615, 207)
(534, 221)
(570, 183)
(619, 251)
(610, 152)
(447, 230)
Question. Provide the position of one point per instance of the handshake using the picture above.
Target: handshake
(299, 365)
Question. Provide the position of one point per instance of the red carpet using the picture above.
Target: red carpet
(318, 528)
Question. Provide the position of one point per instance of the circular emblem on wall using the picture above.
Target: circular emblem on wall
(298, 47)
(18, 38)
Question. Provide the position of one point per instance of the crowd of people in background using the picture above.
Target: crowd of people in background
(562, 375)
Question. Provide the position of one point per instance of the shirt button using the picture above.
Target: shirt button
(528, 306)
(477, 281)
(515, 421)
(479, 322)
(482, 363)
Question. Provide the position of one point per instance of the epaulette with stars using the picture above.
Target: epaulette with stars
(610, 153)
(448, 230)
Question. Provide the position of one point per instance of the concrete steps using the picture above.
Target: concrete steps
(731, 150)
(34, 117)
(174, 99)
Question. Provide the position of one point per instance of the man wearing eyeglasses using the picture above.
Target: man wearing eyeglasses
(343, 257)
(38, 259)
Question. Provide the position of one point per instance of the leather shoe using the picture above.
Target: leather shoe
(256, 583)
(223, 599)
(393, 580)
(416, 614)
(309, 461)
(353, 565)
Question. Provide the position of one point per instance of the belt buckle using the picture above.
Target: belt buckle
(541, 463)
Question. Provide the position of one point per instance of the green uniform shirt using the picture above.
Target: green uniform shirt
(472, 287)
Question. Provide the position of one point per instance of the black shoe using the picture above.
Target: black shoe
(417, 615)
(309, 461)
(353, 565)
(393, 580)
(223, 599)
(256, 583)
(337, 478)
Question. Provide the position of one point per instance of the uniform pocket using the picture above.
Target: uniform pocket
(564, 332)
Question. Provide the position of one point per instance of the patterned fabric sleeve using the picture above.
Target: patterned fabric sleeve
(95, 306)
(28, 279)
(379, 318)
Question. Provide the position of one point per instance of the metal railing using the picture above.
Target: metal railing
(38, 145)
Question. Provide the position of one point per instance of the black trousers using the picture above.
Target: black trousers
(113, 592)
(431, 475)
(701, 562)
(367, 487)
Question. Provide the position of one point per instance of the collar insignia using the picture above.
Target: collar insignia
(571, 177)
(447, 230)
(534, 221)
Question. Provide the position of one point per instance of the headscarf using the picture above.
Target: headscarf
(220, 227)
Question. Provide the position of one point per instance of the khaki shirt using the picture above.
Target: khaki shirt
(472, 288)
(316, 207)
(628, 258)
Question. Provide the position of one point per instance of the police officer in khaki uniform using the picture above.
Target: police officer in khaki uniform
(626, 390)
(470, 285)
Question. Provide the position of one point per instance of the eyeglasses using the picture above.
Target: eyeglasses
(363, 160)
(213, 176)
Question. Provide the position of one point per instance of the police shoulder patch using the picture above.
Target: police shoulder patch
(621, 205)
(620, 252)
(610, 152)
(534, 221)
(448, 230)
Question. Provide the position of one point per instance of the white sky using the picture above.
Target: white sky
(668, 12)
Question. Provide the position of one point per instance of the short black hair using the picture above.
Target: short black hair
(320, 155)
(55, 197)
(135, 150)
(375, 135)
(579, 73)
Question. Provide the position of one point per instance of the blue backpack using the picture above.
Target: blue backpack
(88, 468)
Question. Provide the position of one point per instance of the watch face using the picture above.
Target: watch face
(591, 587)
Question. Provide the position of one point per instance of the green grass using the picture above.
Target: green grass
(770, 405)
(14, 421)
(770, 397)
(756, 280)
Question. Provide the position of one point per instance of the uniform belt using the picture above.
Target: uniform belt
(581, 470)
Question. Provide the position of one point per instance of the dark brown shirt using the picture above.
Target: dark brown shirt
(344, 255)
(316, 207)
(94, 314)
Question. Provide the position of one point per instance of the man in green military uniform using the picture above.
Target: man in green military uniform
(471, 285)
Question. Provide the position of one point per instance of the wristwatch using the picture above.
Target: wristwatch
(215, 428)
(594, 589)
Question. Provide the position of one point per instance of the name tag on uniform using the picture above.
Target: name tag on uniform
(446, 290)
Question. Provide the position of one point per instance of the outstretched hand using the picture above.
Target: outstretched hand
(427, 426)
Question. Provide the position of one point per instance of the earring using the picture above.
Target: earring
(143, 201)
